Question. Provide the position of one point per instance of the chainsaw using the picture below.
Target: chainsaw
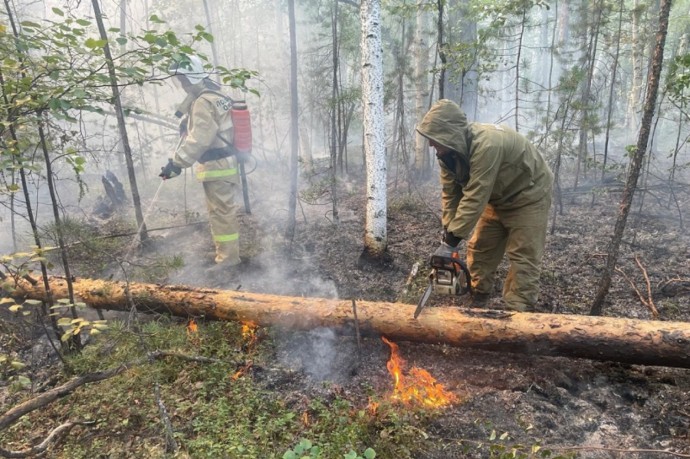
(449, 276)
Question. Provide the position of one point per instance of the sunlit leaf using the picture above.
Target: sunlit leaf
(94, 44)
(22, 101)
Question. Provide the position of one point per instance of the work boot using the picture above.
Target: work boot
(480, 300)
(222, 270)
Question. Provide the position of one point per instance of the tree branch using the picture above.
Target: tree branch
(56, 435)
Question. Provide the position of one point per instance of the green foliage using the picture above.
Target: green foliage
(73, 327)
(158, 269)
(678, 79)
(19, 264)
(9, 366)
(90, 250)
(306, 450)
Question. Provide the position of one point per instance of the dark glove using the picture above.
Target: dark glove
(183, 126)
(445, 251)
(450, 238)
(170, 170)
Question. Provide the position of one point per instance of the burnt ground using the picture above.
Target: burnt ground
(588, 408)
(585, 408)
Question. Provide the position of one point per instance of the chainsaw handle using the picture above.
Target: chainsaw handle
(467, 286)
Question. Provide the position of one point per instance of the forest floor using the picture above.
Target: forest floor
(567, 403)
(579, 407)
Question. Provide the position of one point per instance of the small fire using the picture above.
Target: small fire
(418, 387)
(372, 407)
(242, 371)
(192, 327)
(249, 331)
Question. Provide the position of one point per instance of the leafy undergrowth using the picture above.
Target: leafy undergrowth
(218, 408)
(218, 385)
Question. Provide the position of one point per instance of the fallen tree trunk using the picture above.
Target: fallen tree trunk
(599, 338)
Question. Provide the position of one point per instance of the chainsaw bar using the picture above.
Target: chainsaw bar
(423, 300)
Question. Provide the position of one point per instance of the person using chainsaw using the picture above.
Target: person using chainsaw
(206, 139)
(496, 182)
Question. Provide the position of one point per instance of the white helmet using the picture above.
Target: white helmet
(192, 69)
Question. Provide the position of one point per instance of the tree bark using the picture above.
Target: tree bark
(294, 127)
(375, 231)
(121, 124)
(632, 341)
(636, 160)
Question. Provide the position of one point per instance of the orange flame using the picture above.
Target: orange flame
(192, 327)
(242, 371)
(305, 418)
(418, 387)
(372, 407)
(249, 331)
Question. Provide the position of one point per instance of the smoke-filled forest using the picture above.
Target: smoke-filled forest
(126, 332)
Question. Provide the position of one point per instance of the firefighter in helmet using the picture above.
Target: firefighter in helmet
(495, 182)
(207, 137)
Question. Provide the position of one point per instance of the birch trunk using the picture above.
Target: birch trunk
(375, 237)
(422, 164)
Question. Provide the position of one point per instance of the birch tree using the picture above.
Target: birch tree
(375, 237)
(421, 164)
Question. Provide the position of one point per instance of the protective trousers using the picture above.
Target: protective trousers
(519, 233)
(222, 215)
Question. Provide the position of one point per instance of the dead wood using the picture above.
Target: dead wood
(624, 340)
(648, 301)
(53, 437)
(674, 287)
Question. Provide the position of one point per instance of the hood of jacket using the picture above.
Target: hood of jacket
(446, 124)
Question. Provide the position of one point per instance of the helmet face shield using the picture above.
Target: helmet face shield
(192, 69)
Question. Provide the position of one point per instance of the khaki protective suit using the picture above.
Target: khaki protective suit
(496, 182)
(209, 127)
